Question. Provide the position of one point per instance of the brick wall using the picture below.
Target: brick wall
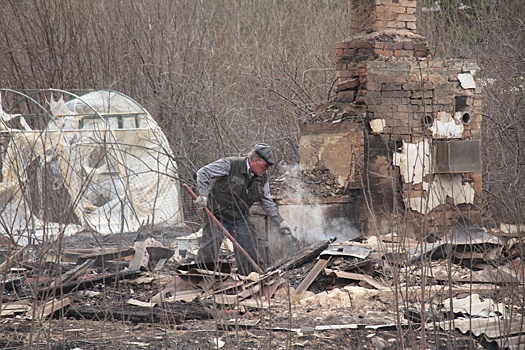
(377, 15)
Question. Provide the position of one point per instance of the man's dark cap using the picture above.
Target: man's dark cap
(264, 151)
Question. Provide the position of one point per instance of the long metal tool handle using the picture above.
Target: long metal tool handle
(225, 231)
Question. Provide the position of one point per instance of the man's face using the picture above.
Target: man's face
(258, 166)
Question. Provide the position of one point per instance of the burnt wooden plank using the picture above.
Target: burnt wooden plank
(168, 313)
(87, 283)
(302, 256)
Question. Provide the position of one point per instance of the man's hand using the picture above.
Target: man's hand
(284, 228)
(200, 202)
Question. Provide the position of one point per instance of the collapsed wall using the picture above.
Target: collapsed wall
(405, 127)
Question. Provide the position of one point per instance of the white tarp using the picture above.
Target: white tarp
(109, 155)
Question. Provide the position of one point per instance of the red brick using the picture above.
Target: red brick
(398, 45)
(403, 53)
(386, 53)
(406, 18)
(408, 45)
(364, 45)
(395, 25)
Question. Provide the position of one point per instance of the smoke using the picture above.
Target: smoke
(311, 217)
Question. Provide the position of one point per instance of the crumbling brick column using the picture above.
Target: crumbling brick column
(376, 15)
(413, 102)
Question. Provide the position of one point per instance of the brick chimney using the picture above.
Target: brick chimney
(377, 15)
(404, 130)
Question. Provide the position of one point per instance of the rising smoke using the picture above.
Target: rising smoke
(312, 218)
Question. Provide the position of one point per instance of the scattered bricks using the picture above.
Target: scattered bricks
(410, 10)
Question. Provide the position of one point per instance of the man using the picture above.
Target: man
(229, 187)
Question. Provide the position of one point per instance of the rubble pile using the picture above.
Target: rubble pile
(319, 182)
(467, 279)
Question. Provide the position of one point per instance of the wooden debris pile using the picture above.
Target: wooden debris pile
(427, 282)
(318, 182)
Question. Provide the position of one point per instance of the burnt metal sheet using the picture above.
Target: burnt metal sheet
(463, 237)
(457, 156)
(347, 250)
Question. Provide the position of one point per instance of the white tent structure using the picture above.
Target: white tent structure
(102, 164)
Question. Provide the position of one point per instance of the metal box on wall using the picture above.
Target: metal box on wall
(457, 156)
